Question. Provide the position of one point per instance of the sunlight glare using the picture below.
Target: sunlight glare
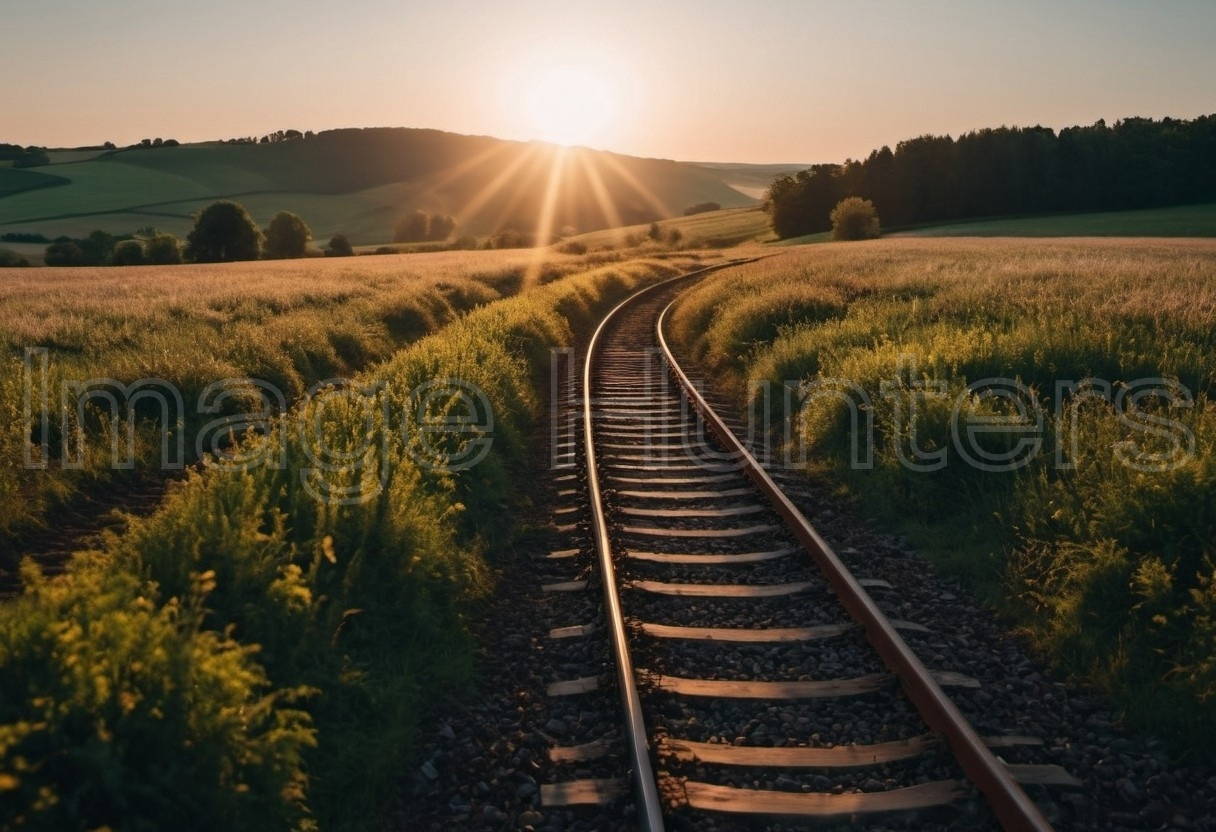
(571, 105)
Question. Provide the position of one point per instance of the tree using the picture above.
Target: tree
(128, 253)
(440, 227)
(164, 250)
(413, 228)
(63, 252)
(339, 246)
(854, 218)
(97, 247)
(223, 233)
(287, 236)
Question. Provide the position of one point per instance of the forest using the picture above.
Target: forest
(1136, 163)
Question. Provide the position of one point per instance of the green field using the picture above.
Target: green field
(1098, 542)
(358, 183)
(1177, 221)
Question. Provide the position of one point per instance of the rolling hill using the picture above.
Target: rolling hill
(359, 182)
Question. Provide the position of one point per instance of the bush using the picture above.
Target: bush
(339, 246)
(510, 238)
(128, 253)
(854, 218)
(164, 250)
(412, 229)
(224, 233)
(117, 711)
(64, 253)
(702, 208)
(287, 236)
(440, 227)
(420, 227)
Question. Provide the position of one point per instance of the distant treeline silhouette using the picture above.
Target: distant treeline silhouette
(1137, 163)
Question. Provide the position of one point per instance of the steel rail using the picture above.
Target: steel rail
(650, 815)
(1012, 807)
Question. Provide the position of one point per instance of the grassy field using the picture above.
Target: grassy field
(262, 648)
(355, 182)
(1043, 422)
(1177, 221)
(289, 324)
(713, 229)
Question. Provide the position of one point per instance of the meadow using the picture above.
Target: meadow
(259, 651)
(1035, 416)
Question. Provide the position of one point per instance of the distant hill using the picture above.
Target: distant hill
(752, 180)
(358, 182)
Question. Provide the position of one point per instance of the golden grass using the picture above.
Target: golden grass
(1110, 567)
(290, 324)
(714, 229)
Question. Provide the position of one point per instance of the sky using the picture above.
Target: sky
(767, 81)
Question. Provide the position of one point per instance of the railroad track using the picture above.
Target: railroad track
(757, 677)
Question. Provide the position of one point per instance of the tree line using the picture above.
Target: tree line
(1136, 163)
(224, 232)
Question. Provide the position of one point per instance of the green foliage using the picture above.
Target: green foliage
(1136, 163)
(32, 157)
(339, 246)
(164, 250)
(120, 711)
(128, 253)
(287, 236)
(854, 218)
(223, 233)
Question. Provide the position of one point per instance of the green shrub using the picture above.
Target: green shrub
(287, 236)
(118, 711)
(224, 233)
(164, 250)
(854, 218)
(128, 253)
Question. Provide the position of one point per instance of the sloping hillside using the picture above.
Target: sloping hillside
(358, 182)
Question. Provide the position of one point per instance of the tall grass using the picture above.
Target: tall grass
(1099, 540)
(288, 324)
(331, 591)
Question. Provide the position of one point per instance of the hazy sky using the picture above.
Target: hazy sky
(712, 80)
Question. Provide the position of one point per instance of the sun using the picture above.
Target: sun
(571, 104)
